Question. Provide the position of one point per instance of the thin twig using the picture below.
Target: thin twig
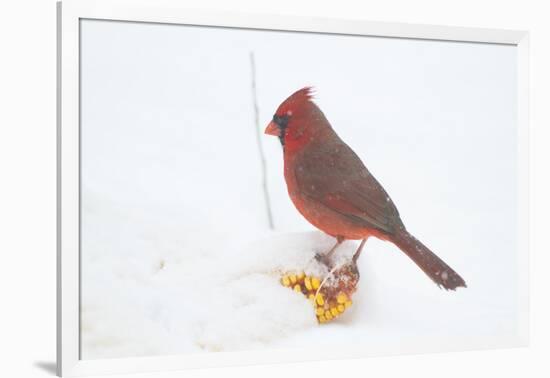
(259, 142)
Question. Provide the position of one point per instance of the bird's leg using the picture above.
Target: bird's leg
(325, 258)
(358, 252)
(333, 249)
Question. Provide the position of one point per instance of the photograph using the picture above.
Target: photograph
(248, 189)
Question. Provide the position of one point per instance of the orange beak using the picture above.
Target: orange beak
(272, 129)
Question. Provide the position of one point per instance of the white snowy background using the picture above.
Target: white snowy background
(177, 256)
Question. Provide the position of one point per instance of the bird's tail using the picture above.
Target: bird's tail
(441, 273)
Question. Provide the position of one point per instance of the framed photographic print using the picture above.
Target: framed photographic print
(246, 188)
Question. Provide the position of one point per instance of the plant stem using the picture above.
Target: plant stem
(259, 142)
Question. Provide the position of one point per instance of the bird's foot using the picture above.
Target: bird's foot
(324, 259)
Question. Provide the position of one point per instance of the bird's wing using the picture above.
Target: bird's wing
(334, 176)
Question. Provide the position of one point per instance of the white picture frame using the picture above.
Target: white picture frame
(68, 263)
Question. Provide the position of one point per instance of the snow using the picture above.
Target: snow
(159, 297)
(176, 252)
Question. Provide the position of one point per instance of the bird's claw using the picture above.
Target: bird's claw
(323, 259)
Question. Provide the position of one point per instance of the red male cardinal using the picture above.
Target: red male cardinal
(331, 187)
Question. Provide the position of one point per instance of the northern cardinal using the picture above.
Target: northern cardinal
(331, 187)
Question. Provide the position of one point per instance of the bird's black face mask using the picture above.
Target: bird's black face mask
(282, 123)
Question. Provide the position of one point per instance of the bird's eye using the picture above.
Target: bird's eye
(280, 121)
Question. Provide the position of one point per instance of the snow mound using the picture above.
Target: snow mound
(154, 298)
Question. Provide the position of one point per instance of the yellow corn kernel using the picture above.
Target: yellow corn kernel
(297, 288)
(292, 278)
(285, 281)
(347, 304)
(319, 311)
(341, 298)
(315, 283)
(320, 300)
(307, 282)
(334, 312)
(322, 319)
(328, 315)
(300, 276)
(341, 308)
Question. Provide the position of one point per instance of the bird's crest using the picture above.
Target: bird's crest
(295, 101)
